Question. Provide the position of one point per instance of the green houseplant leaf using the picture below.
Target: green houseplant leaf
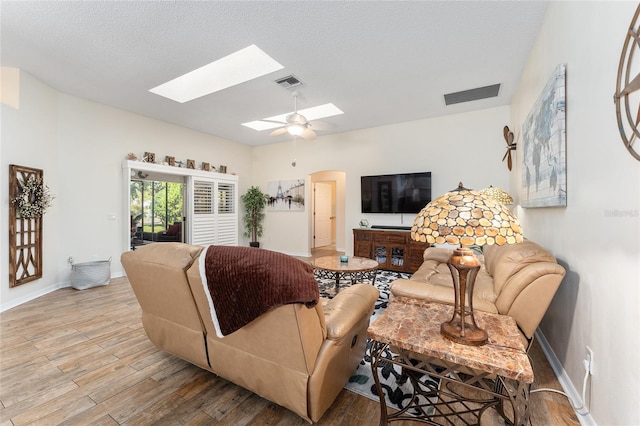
(254, 201)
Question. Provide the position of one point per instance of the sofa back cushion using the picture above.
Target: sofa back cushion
(157, 274)
(435, 271)
(503, 262)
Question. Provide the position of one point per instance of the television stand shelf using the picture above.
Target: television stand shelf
(394, 250)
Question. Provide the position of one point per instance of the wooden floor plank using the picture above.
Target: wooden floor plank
(36, 399)
(64, 405)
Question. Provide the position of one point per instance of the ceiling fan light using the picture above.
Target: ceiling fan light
(295, 129)
(296, 118)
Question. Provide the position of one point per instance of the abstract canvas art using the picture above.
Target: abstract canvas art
(544, 171)
(286, 195)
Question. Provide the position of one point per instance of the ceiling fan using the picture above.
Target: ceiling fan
(296, 124)
(511, 146)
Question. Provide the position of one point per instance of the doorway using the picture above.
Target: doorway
(156, 211)
(324, 214)
(327, 215)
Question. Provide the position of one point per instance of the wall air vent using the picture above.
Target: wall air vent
(472, 94)
(289, 81)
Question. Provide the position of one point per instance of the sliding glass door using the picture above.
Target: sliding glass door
(156, 211)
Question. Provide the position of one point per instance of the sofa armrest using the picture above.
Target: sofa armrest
(527, 294)
(348, 308)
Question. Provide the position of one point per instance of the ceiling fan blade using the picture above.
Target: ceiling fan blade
(273, 121)
(510, 139)
(509, 160)
(280, 131)
(505, 154)
(505, 132)
(308, 134)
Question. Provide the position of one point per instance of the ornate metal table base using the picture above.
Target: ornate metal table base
(357, 276)
(449, 405)
(332, 267)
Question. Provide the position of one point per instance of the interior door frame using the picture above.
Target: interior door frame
(339, 177)
(332, 239)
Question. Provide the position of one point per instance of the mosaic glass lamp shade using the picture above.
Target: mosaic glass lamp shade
(497, 194)
(465, 217)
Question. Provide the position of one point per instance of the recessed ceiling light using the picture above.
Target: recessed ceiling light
(314, 113)
(233, 69)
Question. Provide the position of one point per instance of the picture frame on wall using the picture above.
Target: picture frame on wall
(170, 160)
(544, 171)
(286, 195)
(206, 166)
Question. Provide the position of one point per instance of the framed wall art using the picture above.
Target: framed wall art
(286, 195)
(544, 171)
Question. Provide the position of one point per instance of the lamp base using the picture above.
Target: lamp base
(462, 327)
(470, 334)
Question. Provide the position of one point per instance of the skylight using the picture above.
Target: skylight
(313, 113)
(236, 68)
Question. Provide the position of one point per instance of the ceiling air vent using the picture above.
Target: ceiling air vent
(289, 81)
(472, 94)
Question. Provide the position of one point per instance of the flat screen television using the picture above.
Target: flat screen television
(397, 193)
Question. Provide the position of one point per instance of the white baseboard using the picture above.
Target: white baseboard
(568, 387)
(28, 297)
(41, 292)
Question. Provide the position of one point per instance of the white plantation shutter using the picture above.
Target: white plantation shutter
(203, 224)
(214, 219)
(227, 214)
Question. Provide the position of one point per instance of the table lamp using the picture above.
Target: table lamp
(465, 217)
(497, 194)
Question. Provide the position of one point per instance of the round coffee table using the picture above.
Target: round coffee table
(358, 268)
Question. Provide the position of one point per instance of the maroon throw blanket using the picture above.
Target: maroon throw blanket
(245, 282)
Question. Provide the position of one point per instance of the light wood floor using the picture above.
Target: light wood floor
(81, 357)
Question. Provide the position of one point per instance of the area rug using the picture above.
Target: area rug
(396, 396)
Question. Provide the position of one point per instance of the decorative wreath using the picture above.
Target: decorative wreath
(34, 198)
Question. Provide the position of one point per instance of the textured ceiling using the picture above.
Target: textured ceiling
(379, 62)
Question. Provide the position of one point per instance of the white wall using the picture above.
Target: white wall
(81, 146)
(29, 137)
(598, 303)
(464, 147)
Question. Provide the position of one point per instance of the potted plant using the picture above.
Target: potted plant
(254, 203)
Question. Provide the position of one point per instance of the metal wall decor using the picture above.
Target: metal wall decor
(25, 234)
(627, 96)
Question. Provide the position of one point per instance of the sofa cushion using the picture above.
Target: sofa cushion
(437, 274)
(502, 262)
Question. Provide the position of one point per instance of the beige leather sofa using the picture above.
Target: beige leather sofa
(518, 280)
(295, 356)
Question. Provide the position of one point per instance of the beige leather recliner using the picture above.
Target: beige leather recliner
(518, 280)
(295, 356)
